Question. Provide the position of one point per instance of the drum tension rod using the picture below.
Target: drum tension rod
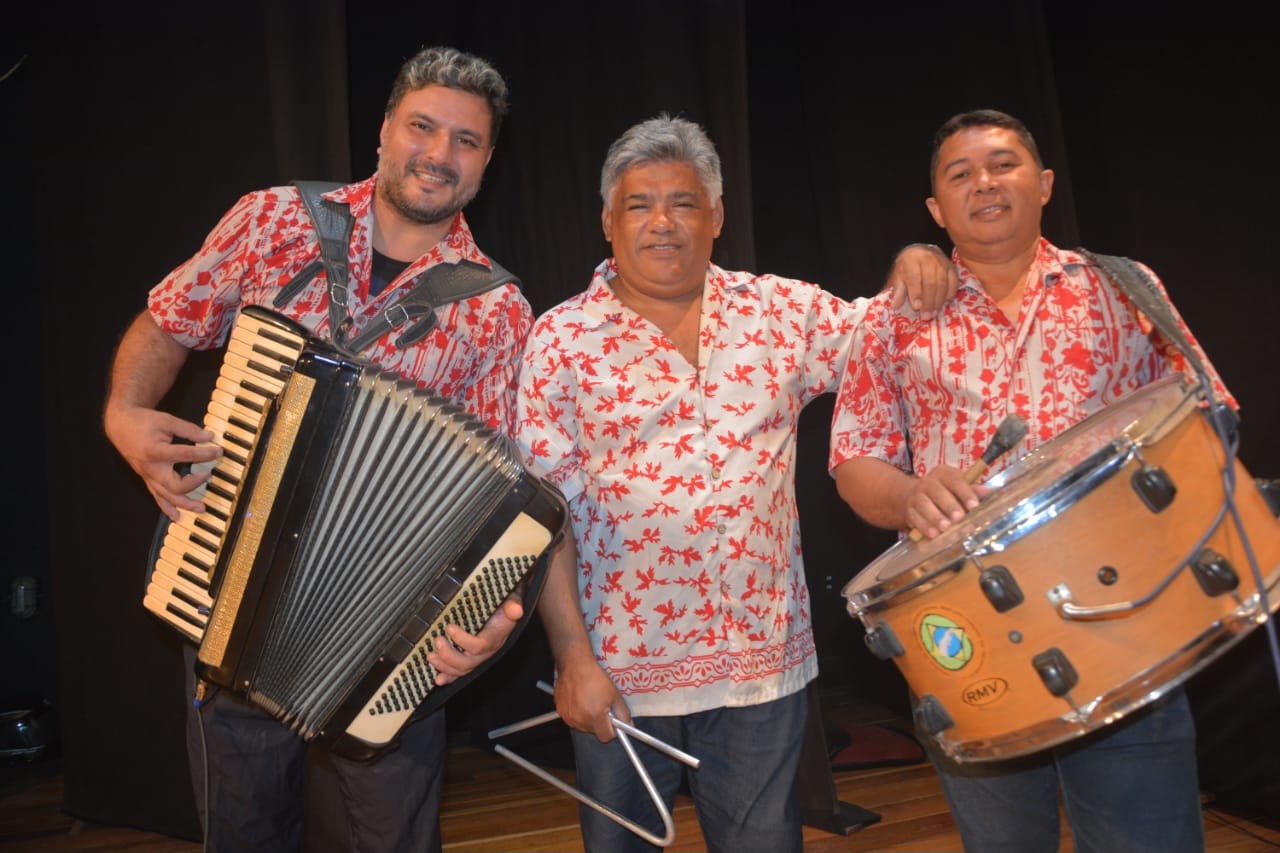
(1212, 571)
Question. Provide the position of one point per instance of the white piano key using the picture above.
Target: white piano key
(249, 326)
(178, 557)
(236, 384)
(160, 605)
(224, 429)
(197, 493)
(248, 356)
(168, 576)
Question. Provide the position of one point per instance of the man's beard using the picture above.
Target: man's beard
(392, 190)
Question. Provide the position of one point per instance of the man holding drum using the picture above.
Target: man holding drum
(1036, 332)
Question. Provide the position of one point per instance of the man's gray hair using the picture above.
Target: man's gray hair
(446, 66)
(662, 140)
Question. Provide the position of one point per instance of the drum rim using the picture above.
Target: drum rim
(1034, 511)
(1028, 513)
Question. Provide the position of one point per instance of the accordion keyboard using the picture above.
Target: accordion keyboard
(260, 355)
(349, 519)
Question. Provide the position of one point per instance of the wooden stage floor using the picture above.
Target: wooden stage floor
(490, 805)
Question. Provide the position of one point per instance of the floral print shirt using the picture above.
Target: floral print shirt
(266, 238)
(681, 482)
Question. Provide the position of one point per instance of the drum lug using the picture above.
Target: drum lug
(1056, 671)
(1000, 588)
(1214, 572)
(1154, 486)
(1225, 420)
(931, 716)
(1270, 493)
(883, 642)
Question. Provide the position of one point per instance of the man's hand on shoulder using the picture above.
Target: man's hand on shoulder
(923, 275)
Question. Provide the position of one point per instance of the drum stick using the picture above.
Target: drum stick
(1011, 431)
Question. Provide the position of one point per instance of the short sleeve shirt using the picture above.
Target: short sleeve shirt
(266, 239)
(681, 481)
(918, 394)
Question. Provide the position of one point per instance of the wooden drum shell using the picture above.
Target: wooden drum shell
(1107, 547)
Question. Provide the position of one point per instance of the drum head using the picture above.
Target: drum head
(1038, 485)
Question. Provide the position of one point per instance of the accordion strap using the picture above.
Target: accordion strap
(1141, 288)
(333, 223)
(439, 285)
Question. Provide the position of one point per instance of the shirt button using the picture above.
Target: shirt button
(724, 588)
(720, 528)
(715, 473)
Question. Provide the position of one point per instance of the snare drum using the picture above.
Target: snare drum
(1102, 571)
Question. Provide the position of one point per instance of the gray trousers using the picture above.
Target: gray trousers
(269, 791)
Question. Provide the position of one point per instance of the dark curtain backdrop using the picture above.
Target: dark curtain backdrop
(28, 676)
(139, 124)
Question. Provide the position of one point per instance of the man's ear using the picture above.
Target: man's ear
(606, 223)
(717, 217)
(382, 131)
(935, 211)
(1046, 186)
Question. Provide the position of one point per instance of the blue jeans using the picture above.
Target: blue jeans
(743, 790)
(1129, 787)
(257, 770)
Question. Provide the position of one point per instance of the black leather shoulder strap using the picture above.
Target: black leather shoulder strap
(1140, 287)
(440, 285)
(333, 223)
(1134, 282)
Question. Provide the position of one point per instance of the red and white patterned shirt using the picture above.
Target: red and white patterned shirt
(266, 238)
(681, 481)
(919, 394)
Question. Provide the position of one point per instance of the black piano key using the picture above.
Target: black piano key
(241, 423)
(254, 388)
(204, 543)
(209, 527)
(200, 580)
(186, 617)
(236, 440)
(268, 370)
(221, 492)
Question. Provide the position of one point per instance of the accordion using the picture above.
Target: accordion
(350, 518)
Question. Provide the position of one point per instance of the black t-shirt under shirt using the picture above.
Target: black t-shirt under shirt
(384, 272)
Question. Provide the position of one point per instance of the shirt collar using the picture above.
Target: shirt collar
(1050, 261)
(457, 245)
